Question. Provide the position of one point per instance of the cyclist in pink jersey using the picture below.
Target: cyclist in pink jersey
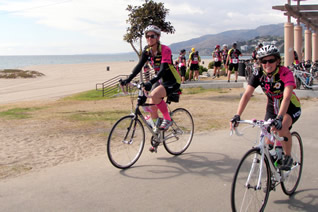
(217, 58)
(161, 59)
(182, 61)
(283, 106)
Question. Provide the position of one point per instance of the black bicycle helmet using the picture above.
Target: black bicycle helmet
(267, 50)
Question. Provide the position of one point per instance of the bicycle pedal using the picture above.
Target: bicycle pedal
(153, 149)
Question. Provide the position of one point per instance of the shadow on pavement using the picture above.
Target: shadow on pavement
(306, 202)
(196, 163)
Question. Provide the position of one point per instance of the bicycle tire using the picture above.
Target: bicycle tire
(298, 83)
(123, 153)
(248, 73)
(290, 184)
(179, 136)
(246, 197)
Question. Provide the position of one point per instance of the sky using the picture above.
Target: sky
(59, 27)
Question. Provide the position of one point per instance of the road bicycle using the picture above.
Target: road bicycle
(249, 69)
(304, 76)
(258, 173)
(127, 137)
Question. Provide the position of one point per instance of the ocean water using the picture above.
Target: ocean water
(8, 62)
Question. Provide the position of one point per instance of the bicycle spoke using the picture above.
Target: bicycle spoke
(179, 136)
(251, 183)
(125, 142)
(291, 182)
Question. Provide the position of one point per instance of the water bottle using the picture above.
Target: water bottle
(150, 121)
(273, 154)
(279, 155)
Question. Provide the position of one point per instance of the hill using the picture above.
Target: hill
(205, 44)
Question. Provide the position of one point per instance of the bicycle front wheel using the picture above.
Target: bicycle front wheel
(248, 193)
(179, 136)
(291, 182)
(125, 142)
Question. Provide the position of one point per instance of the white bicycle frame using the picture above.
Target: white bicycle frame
(263, 125)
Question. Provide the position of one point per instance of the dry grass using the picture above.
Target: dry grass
(37, 135)
(17, 73)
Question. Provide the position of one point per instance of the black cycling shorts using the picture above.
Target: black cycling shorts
(294, 113)
(235, 66)
(217, 64)
(183, 71)
(194, 67)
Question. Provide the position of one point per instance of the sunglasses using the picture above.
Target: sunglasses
(151, 36)
(268, 61)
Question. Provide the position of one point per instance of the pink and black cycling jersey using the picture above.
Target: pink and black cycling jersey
(274, 86)
(182, 60)
(195, 58)
(234, 55)
(224, 54)
(217, 56)
(162, 63)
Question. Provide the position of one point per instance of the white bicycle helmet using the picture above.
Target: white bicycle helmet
(224, 45)
(153, 28)
(267, 51)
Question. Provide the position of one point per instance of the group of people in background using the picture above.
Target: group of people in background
(193, 62)
(230, 59)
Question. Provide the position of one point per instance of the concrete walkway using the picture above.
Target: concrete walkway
(301, 93)
(198, 180)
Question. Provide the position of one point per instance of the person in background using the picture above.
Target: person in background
(224, 56)
(194, 62)
(296, 59)
(160, 56)
(217, 58)
(254, 53)
(283, 106)
(182, 65)
(233, 59)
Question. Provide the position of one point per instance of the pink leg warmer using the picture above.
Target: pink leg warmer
(162, 106)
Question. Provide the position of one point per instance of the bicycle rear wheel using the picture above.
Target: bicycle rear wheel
(290, 184)
(125, 142)
(179, 136)
(248, 73)
(245, 195)
(298, 82)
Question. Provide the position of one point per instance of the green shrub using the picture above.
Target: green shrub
(202, 69)
(211, 65)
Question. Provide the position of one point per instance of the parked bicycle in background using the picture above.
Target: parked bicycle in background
(305, 74)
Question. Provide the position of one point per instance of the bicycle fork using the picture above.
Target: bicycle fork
(253, 167)
(132, 126)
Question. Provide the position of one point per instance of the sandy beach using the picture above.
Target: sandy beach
(60, 131)
(60, 80)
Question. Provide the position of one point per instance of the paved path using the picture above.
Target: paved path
(199, 180)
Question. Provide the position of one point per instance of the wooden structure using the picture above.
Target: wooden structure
(293, 38)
